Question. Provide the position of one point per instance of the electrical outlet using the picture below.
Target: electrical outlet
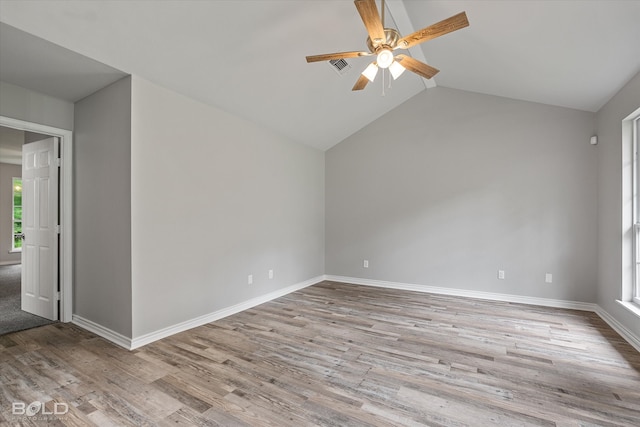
(250, 279)
(501, 274)
(365, 264)
(270, 274)
(548, 278)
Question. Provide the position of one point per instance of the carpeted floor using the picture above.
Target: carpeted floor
(13, 319)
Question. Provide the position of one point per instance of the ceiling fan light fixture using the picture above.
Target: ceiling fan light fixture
(385, 58)
(371, 71)
(383, 41)
(396, 69)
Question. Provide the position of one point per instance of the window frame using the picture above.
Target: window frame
(13, 213)
(635, 134)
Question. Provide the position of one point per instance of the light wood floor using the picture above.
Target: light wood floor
(338, 355)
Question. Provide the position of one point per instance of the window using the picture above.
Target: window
(635, 132)
(17, 215)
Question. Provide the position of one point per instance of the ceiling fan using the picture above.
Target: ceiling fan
(382, 42)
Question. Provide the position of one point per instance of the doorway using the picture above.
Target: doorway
(65, 266)
(27, 295)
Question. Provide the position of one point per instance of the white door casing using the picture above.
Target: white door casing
(65, 272)
(40, 227)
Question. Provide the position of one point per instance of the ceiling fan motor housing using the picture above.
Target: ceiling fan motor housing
(392, 36)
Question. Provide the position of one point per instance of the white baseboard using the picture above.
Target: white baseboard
(625, 333)
(101, 331)
(216, 315)
(547, 302)
(140, 341)
(133, 343)
(10, 262)
(629, 336)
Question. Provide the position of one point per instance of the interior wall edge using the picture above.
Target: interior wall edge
(102, 331)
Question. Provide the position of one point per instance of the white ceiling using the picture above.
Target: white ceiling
(247, 56)
(36, 64)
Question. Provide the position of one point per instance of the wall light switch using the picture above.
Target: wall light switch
(548, 278)
(365, 264)
(250, 279)
(501, 274)
(270, 274)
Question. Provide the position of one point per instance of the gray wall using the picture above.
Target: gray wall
(214, 199)
(451, 186)
(24, 104)
(102, 207)
(612, 234)
(7, 172)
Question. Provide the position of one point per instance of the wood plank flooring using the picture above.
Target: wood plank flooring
(337, 355)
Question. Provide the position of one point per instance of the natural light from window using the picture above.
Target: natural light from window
(636, 208)
(16, 245)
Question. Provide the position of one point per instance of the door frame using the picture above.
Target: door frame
(65, 254)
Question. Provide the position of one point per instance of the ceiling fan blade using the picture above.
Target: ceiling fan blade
(337, 55)
(371, 18)
(438, 29)
(361, 83)
(420, 68)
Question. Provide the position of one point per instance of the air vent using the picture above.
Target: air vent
(341, 66)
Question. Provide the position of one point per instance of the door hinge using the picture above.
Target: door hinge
(58, 229)
(59, 162)
(57, 295)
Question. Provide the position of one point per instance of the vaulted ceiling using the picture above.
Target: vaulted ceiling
(247, 57)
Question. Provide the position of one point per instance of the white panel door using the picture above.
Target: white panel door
(39, 225)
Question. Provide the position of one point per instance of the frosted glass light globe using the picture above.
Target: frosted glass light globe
(385, 58)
